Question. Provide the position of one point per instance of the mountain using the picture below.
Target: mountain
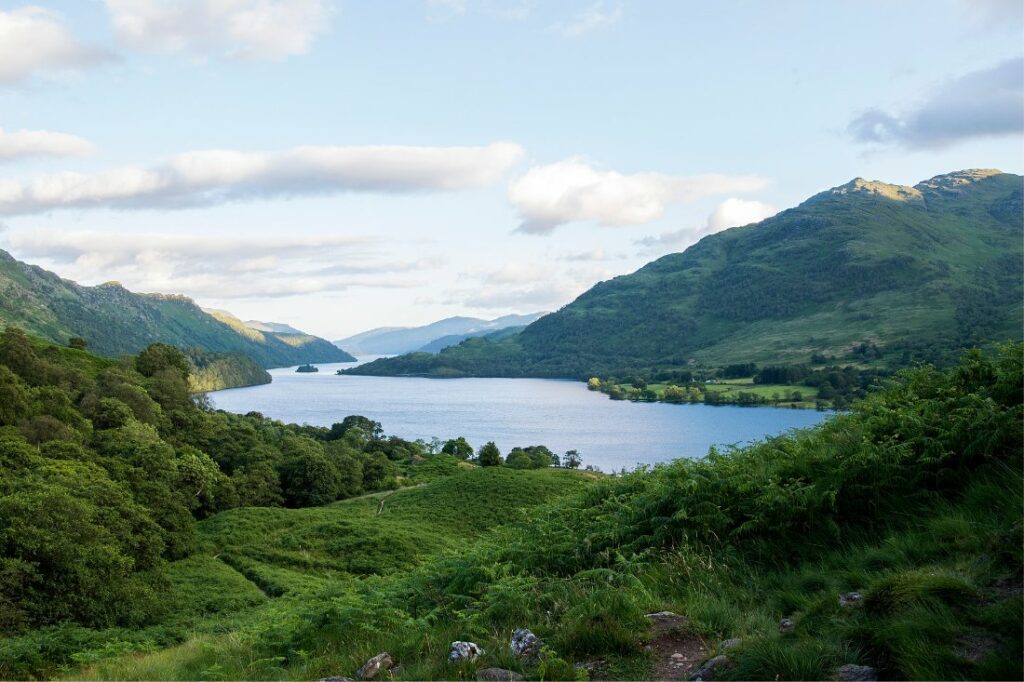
(912, 271)
(115, 321)
(395, 340)
(278, 327)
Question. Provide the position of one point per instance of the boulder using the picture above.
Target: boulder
(729, 644)
(847, 599)
(786, 626)
(462, 652)
(710, 667)
(525, 645)
(498, 675)
(371, 669)
(856, 673)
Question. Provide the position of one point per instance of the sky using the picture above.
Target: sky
(341, 165)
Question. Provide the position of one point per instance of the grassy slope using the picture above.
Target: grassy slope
(939, 265)
(116, 321)
(912, 500)
(256, 563)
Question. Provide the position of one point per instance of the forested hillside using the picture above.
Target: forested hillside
(914, 272)
(115, 321)
(888, 539)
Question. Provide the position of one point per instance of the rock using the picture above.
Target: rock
(856, 673)
(710, 667)
(729, 644)
(847, 599)
(662, 615)
(335, 679)
(372, 667)
(498, 675)
(464, 651)
(678, 657)
(525, 645)
(786, 626)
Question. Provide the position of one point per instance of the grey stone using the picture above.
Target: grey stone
(498, 675)
(847, 599)
(525, 645)
(335, 679)
(729, 644)
(464, 651)
(856, 673)
(786, 626)
(710, 667)
(372, 667)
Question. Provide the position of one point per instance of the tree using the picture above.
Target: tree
(159, 356)
(78, 343)
(519, 459)
(370, 428)
(490, 455)
(111, 413)
(594, 384)
(572, 459)
(458, 447)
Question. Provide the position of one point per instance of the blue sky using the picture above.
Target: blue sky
(343, 165)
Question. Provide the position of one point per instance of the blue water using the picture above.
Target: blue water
(562, 415)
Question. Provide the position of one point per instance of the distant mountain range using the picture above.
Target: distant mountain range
(913, 272)
(115, 321)
(430, 337)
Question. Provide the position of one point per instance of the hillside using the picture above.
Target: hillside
(395, 340)
(915, 271)
(888, 539)
(115, 321)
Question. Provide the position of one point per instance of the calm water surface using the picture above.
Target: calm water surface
(559, 414)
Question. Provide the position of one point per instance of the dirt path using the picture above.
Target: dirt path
(677, 651)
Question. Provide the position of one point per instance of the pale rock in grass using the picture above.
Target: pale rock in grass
(371, 669)
(786, 626)
(856, 673)
(461, 652)
(711, 668)
(848, 599)
(525, 645)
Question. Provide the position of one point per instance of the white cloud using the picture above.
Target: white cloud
(33, 40)
(22, 144)
(592, 256)
(732, 212)
(595, 17)
(206, 178)
(522, 286)
(984, 103)
(571, 190)
(244, 29)
(220, 267)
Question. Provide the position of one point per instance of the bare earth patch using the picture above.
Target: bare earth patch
(677, 651)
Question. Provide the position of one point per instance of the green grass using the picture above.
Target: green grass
(913, 500)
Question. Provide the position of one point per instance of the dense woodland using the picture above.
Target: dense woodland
(106, 465)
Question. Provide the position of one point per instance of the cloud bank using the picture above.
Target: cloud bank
(33, 40)
(571, 190)
(979, 104)
(240, 29)
(214, 267)
(23, 144)
(732, 212)
(208, 178)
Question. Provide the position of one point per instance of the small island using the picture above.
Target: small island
(307, 368)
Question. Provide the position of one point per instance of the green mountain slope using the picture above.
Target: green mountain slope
(914, 270)
(116, 321)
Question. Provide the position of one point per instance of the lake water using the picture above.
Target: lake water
(562, 415)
